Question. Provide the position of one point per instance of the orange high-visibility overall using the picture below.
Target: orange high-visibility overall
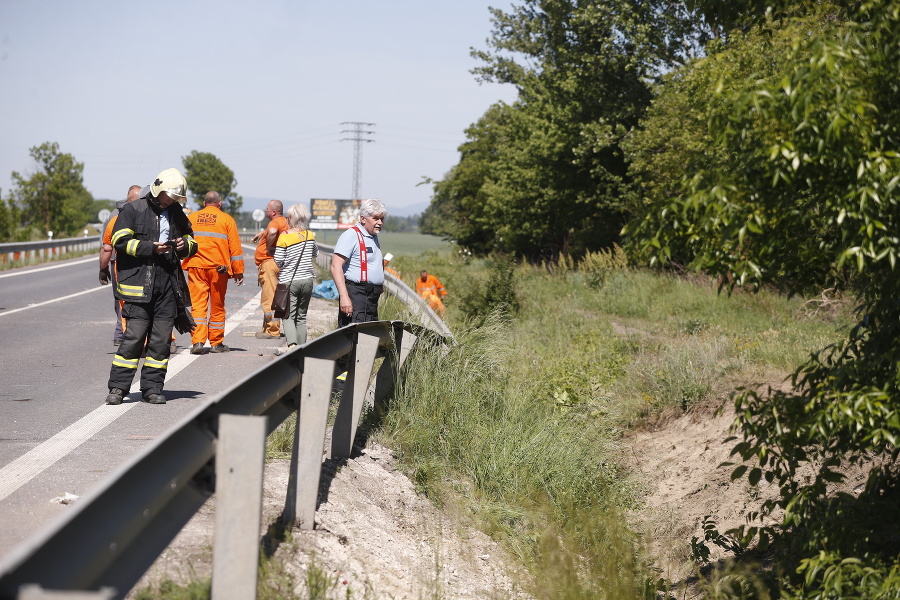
(432, 290)
(219, 258)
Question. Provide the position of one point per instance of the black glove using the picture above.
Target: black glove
(104, 276)
(184, 322)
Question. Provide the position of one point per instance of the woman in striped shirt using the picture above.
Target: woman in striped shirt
(294, 253)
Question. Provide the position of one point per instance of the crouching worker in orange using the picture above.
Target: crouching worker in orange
(219, 258)
(431, 290)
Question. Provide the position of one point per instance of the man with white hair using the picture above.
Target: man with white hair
(151, 236)
(357, 266)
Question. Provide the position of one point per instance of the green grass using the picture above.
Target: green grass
(525, 434)
(397, 243)
(411, 244)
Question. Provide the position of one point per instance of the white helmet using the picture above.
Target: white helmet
(172, 182)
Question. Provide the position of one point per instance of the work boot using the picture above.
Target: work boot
(280, 351)
(154, 398)
(115, 396)
(173, 348)
(197, 348)
(219, 348)
(262, 335)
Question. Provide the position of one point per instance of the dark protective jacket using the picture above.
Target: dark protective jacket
(136, 230)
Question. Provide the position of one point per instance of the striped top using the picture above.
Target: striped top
(287, 252)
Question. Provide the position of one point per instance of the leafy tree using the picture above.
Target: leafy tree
(401, 224)
(7, 221)
(725, 17)
(204, 173)
(53, 198)
(809, 188)
(674, 141)
(553, 178)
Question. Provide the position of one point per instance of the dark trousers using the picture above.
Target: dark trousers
(149, 323)
(364, 298)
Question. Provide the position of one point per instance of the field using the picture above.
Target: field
(399, 244)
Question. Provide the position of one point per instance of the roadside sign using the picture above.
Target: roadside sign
(103, 215)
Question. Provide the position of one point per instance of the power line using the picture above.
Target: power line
(359, 136)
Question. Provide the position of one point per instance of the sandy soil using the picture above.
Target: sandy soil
(681, 468)
(374, 535)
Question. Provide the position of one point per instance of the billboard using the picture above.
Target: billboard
(333, 214)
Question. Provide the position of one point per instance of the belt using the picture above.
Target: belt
(367, 285)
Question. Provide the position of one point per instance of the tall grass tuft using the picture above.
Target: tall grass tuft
(525, 466)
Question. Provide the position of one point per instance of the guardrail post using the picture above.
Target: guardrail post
(309, 442)
(240, 457)
(387, 374)
(359, 371)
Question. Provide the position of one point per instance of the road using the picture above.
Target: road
(57, 437)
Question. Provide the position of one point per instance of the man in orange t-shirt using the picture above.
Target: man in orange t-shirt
(267, 270)
(218, 259)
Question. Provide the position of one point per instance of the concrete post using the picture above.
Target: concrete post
(309, 441)
(240, 458)
(362, 362)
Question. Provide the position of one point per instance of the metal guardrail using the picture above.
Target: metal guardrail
(32, 252)
(113, 535)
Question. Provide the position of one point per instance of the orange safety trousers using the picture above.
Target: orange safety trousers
(208, 288)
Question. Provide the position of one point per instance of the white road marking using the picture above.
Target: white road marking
(61, 298)
(68, 263)
(41, 457)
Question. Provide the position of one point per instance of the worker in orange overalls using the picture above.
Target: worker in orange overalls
(219, 258)
(431, 290)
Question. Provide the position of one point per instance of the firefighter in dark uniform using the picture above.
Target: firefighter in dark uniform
(151, 236)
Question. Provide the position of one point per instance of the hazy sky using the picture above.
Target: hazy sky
(129, 88)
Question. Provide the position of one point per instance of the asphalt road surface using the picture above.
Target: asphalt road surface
(57, 437)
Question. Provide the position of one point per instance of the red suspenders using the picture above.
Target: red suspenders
(363, 259)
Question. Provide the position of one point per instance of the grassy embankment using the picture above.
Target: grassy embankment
(525, 434)
(524, 437)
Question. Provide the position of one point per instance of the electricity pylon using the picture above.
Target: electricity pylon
(359, 134)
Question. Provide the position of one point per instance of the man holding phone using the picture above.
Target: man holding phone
(151, 236)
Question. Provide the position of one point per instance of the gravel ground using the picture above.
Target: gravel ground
(375, 537)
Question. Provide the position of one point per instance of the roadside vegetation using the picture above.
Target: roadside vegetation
(550, 374)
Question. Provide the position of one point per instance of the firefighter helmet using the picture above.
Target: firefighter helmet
(172, 182)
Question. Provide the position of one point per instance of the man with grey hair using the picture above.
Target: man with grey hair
(267, 270)
(357, 266)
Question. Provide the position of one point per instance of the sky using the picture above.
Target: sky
(269, 87)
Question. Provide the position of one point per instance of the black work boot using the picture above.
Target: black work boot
(115, 396)
(154, 398)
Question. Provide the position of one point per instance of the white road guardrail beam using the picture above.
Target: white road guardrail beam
(113, 534)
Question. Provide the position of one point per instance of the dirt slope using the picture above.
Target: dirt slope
(374, 535)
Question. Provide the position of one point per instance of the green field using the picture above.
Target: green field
(399, 244)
